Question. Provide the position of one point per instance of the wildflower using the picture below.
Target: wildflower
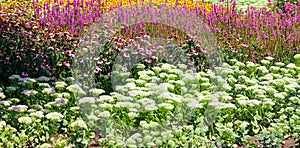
(25, 120)
(87, 100)
(106, 98)
(151, 107)
(79, 123)
(38, 114)
(54, 116)
(48, 90)
(18, 108)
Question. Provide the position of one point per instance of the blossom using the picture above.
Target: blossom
(249, 102)
(104, 114)
(12, 77)
(29, 92)
(18, 108)
(279, 96)
(54, 116)
(79, 124)
(92, 117)
(60, 101)
(25, 120)
(265, 62)
(43, 79)
(74, 108)
(150, 107)
(5, 103)
(75, 88)
(87, 100)
(166, 106)
(125, 104)
(194, 104)
(288, 7)
(46, 145)
(47, 85)
(2, 124)
(132, 115)
(38, 114)
(2, 96)
(106, 98)
(48, 90)
(96, 92)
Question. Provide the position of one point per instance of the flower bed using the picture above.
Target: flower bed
(250, 100)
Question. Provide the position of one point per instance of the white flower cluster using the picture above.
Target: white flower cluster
(29, 92)
(96, 92)
(18, 108)
(25, 120)
(79, 124)
(54, 116)
(76, 89)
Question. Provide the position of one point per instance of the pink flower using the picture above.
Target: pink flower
(148, 60)
(288, 7)
(24, 74)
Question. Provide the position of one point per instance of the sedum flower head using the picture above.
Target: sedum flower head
(12, 77)
(166, 106)
(96, 92)
(5, 103)
(2, 96)
(18, 108)
(46, 145)
(104, 114)
(106, 98)
(79, 124)
(54, 116)
(29, 92)
(48, 91)
(87, 100)
(25, 120)
(60, 101)
(38, 114)
(75, 88)
(2, 125)
(47, 85)
(43, 79)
